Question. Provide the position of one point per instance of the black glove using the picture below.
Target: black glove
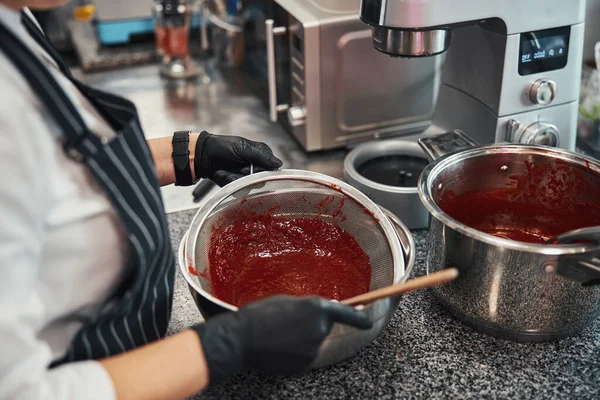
(278, 335)
(224, 159)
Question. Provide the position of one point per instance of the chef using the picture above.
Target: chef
(86, 264)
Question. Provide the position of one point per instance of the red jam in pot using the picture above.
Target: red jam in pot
(544, 202)
(258, 256)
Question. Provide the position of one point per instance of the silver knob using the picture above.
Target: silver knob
(542, 92)
(296, 115)
(540, 133)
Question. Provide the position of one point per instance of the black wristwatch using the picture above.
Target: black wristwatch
(181, 158)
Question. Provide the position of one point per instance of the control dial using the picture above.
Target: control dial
(537, 133)
(296, 115)
(542, 92)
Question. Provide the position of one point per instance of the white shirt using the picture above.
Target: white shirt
(63, 249)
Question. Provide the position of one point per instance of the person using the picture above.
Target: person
(87, 267)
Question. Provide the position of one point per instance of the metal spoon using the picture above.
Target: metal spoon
(591, 234)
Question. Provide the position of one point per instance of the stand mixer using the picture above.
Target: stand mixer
(512, 68)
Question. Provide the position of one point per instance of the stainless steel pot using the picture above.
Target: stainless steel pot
(343, 341)
(515, 290)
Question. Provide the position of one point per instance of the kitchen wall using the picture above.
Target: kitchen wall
(592, 28)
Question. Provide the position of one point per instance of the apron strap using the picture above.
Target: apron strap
(41, 39)
(115, 110)
(52, 96)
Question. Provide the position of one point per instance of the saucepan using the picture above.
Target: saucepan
(491, 209)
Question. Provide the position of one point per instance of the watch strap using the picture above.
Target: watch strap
(181, 158)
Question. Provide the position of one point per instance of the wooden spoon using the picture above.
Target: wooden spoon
(437, 278)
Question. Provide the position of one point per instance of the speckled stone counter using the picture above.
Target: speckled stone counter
(423, 353)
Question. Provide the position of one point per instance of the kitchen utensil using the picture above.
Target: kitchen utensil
(333, 352)
(201, 189)
(422, 282)
(582, 268)
(387, 172)
(590, 234)
(307, 194)
(172, 31)
(516, 290)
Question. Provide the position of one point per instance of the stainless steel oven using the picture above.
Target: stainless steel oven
(322, 78)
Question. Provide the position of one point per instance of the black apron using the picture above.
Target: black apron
(124, 168)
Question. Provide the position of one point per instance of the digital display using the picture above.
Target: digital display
(543, 48)
(544, 51)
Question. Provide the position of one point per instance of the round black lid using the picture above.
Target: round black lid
(393, 170)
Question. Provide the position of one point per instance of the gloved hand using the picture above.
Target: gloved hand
(280, 335)
(224, 159)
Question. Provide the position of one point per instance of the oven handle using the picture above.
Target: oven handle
(272, 31)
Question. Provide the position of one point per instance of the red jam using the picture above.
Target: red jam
(192, 270)
(546, 201)
(259, 256)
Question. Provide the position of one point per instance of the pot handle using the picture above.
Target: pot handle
(439, 145)
(584, 268)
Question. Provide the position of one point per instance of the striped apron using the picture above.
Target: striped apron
(124, 168)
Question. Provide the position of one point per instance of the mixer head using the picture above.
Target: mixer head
(410, 43)
(399, 42)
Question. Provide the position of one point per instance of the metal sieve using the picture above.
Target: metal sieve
(298, 194)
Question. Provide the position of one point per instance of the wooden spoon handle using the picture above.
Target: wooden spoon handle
(437, 278)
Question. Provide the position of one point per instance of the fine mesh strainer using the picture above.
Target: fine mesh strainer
(298, 194)
(295, 193)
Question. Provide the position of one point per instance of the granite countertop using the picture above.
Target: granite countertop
(423, 353)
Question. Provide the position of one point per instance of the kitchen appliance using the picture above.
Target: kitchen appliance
(387, 171)
(306, 194)
(323, 79)
(172, 38)
(512, 68)
(511, 289)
